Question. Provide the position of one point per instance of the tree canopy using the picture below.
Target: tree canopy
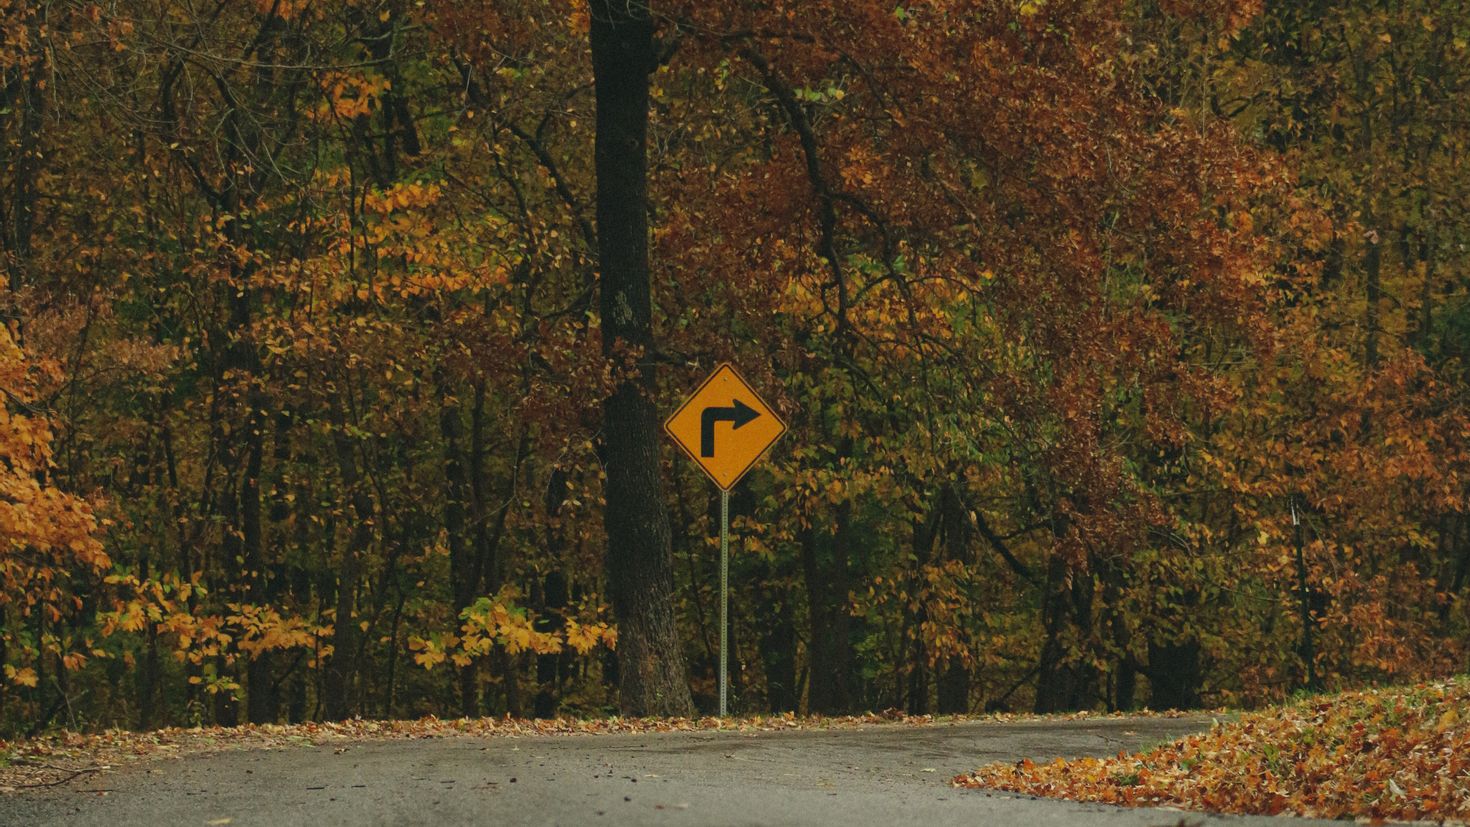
(1122, 344)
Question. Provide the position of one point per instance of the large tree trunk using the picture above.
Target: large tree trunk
(639, 558)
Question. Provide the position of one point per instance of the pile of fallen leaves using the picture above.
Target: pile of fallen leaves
(1389, 754)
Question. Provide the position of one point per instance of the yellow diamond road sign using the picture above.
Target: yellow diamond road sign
(724, 426)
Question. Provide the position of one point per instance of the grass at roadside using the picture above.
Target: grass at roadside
(1400, 753)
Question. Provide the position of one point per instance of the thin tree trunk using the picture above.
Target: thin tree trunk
(261, 705)
(1306, 645)
(953, 690)
(925, 531)
(1373, 255)
(551, 621)
(1063, 683)
(24, 162)
(829, 655)
(777, 640)
(464, 584)
(1052, 677)
(338, 697)
(1425, 323)
(1373, 285)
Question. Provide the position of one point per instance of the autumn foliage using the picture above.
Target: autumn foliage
(51, 550)
(1123, 347)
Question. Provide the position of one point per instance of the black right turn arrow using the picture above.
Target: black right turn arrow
(738, 414)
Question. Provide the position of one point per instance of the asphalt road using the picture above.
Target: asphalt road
(886, 774)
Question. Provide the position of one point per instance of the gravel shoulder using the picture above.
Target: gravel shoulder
(880, 774)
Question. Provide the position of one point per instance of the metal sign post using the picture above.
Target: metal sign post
(725, 454)
(724, 598)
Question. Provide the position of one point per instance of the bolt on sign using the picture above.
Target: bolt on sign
(724, 426)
